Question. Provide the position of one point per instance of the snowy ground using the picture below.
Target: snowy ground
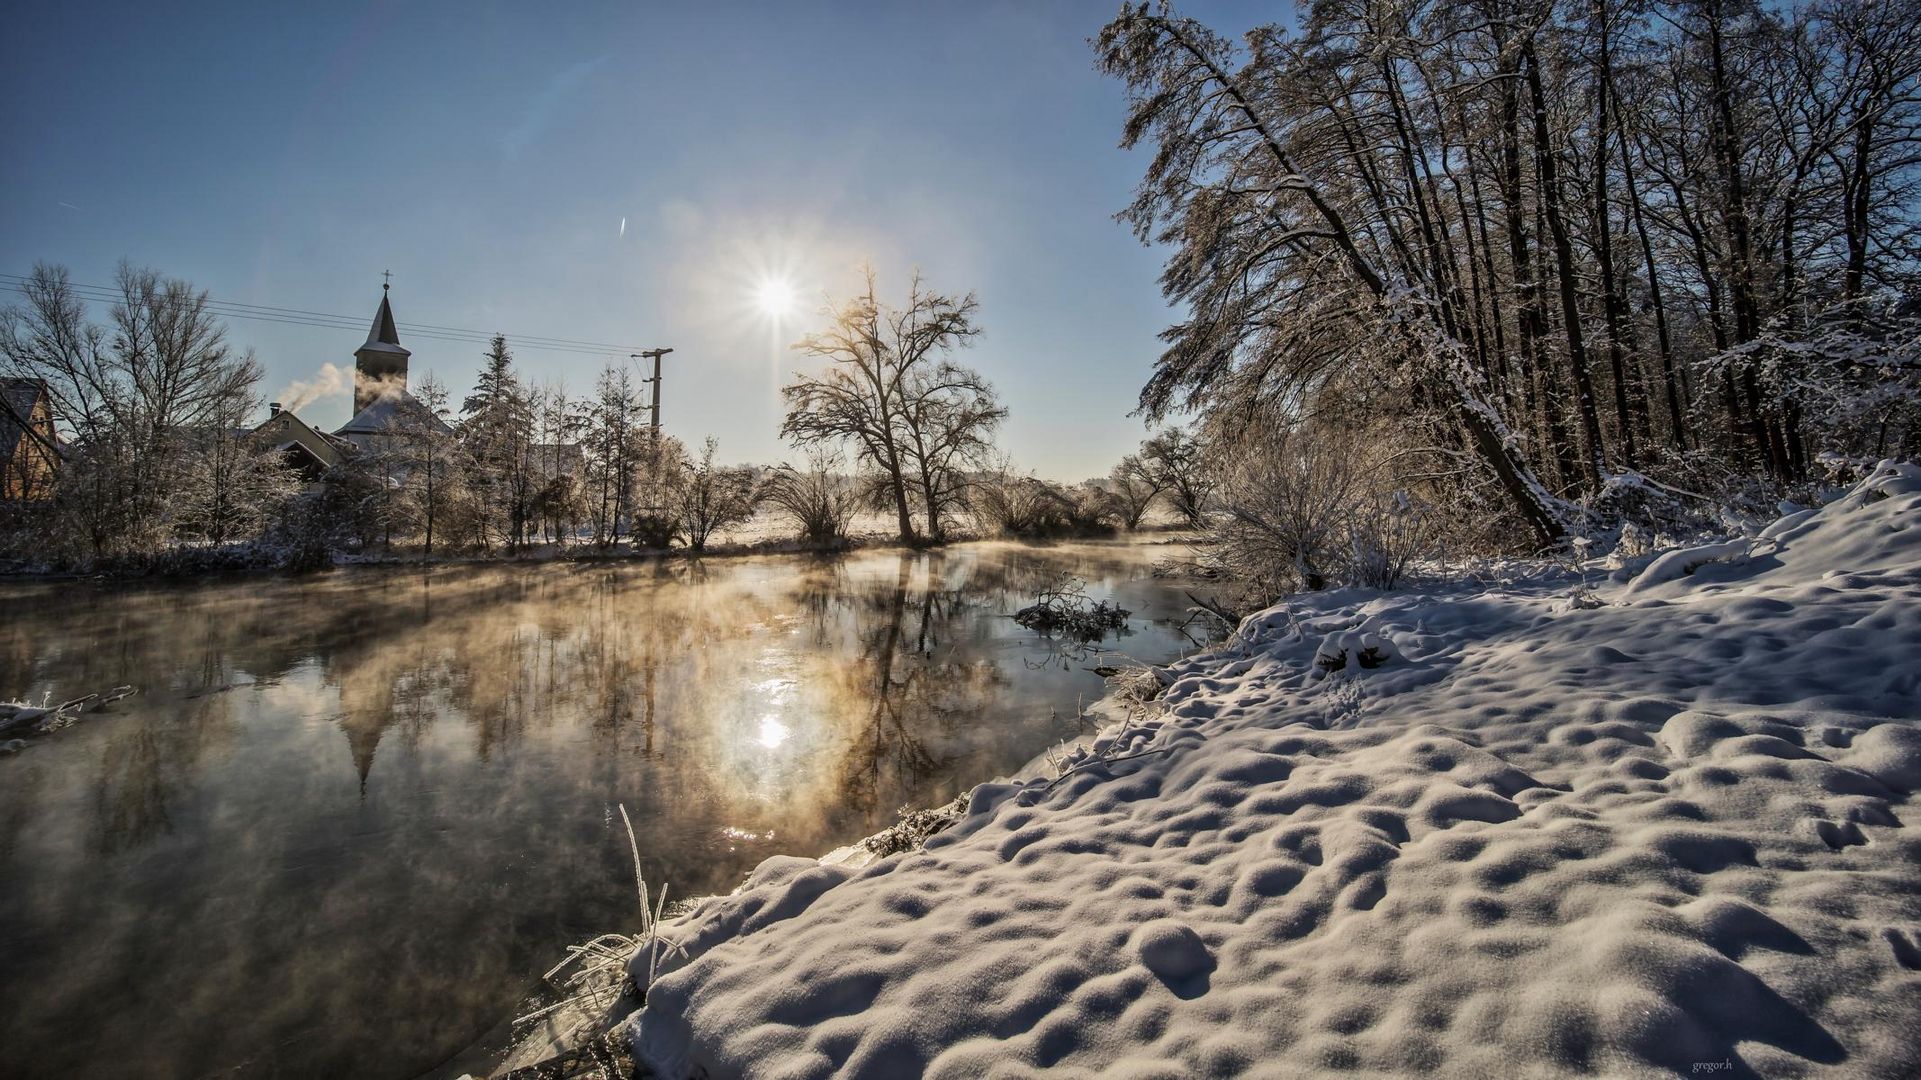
(1666, 834)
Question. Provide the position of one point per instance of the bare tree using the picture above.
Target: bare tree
(1285, 498)
(1179, 466)
(1306, 506)
(948, 416)
(433, 465)
(612, 443)
(1135, 487)
(230, 487)
(887, 392)
(1016, 504)
(556, 499)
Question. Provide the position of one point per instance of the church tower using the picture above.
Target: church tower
(380, 365)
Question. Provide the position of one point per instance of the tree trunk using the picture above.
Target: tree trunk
(1531, 323)
(1671, 383)
(1547, 178)
(1604, 243)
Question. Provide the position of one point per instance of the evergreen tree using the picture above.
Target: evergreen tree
(497, 431)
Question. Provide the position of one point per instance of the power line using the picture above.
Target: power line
(354, 327)
(299, 317)
(114, 293)
(227, 309)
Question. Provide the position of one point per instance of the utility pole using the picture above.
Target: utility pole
(654, 420)
(654, 355)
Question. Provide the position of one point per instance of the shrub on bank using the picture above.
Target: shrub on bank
(1030, 508)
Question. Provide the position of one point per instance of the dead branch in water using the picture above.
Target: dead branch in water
(20, 718)
(1064, 607)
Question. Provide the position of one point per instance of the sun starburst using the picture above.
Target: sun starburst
(775, 298)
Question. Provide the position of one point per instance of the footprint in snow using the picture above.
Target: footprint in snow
(1839, 836)
(1172, 950)
(1906, 945)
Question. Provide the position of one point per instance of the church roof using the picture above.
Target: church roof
(384, 336)
(395, 410)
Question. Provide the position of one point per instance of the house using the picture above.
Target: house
(28, 446)
(307, 452)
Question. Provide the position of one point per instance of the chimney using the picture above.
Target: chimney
(273, 409)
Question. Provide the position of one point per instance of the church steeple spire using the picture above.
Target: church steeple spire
(380, 366)
(384, 332)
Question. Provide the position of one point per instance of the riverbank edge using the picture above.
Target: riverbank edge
(241, 566)
(539, 1050)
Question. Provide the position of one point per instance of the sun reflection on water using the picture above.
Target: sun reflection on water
(772, 731)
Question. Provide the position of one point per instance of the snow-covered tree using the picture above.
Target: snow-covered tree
(497, 431)
(1546, 244)
(705, 498)
(1135, 486)
(230, 487)
(128, 397)
(432, 469)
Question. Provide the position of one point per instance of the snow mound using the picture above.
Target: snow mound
(1678, 564)
(1535, 839)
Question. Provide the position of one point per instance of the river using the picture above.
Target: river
(350, 818)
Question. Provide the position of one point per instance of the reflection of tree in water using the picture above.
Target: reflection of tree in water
(142, 769)
(130, 795)
(629, 650)
(623, 638)
(817, 600)
(26, 786)
(509, 651)
(916, 686)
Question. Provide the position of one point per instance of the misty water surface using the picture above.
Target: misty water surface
(351, 818)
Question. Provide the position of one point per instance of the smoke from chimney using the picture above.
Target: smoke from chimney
(329, 381)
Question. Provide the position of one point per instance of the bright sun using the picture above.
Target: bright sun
(775, 297)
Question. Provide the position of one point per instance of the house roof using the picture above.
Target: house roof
(321, 438)
(384, 336)
(305, 451)
(22, 396)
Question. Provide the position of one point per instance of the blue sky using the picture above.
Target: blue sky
(488, 155)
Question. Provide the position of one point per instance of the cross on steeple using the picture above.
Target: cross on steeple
(386, 276)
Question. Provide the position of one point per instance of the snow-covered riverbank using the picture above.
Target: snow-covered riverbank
(1519, 830)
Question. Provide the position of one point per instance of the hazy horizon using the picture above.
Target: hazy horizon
(621, 176)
